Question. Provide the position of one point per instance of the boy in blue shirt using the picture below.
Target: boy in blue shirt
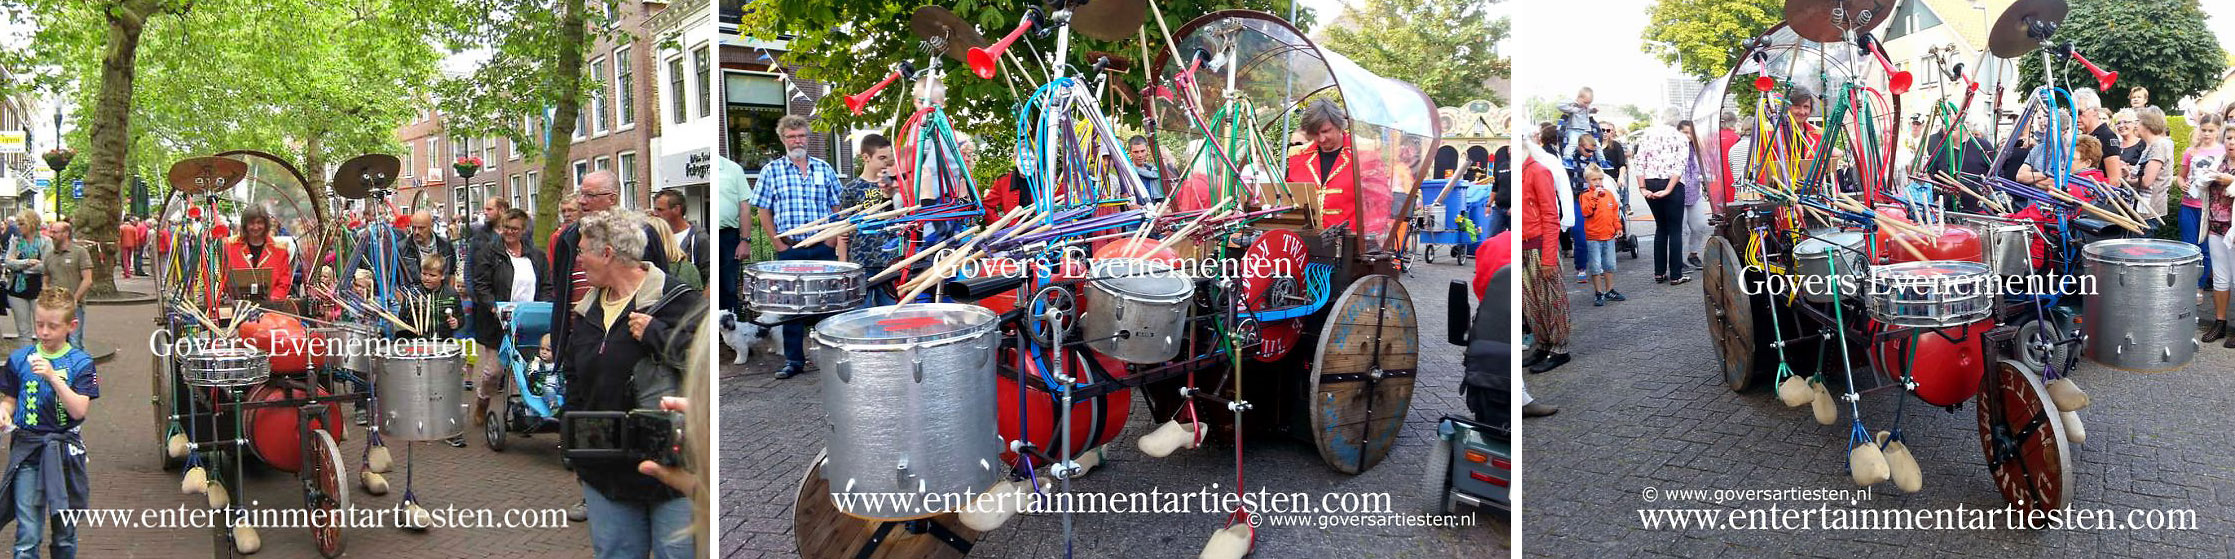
(46, 390)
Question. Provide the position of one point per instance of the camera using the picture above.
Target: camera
(623, 436)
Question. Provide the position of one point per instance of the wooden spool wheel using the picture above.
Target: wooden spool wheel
(824, 533)
(1734, 321)
(164, 396)
(1363, 374)
(325, 488)
(2023, 438)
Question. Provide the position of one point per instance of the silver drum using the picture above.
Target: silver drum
(1136, 310)
(421, 390)
(803, 286)
(349, 347)
(1931, 294)
(909, 393)
(1811, 259)
(224, 367)
(2009, 247)
(2142, 317)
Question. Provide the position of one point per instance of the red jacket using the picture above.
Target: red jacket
(1495, 252)
(276, 258)
(1723, 194)
(1339, 196)
(1540, 207)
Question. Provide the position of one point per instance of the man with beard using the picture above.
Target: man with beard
(794, 191)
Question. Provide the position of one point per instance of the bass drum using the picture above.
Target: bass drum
(1094, 421)
(271, 431)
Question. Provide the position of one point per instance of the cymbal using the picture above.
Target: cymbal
(199, 175)
(1109, 20)
(1812, 19)
(938, 25)
(2008, 38)
(360, 175)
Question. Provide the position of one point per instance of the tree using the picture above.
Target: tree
(536, 64)
(1706, 34)
(2162, 45)
(849, 46)
(1442, 47)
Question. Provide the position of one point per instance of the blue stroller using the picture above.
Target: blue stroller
(538, 389)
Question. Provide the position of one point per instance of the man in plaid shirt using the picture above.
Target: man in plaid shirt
(794, 191)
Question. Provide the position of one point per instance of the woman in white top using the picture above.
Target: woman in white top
(509, 270)
(2155, 167)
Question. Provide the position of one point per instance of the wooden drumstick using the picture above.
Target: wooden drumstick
(967, 249)
(832, 219)
(925, 252)
(932, 278)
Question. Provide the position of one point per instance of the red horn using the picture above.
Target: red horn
(2102, 78)
(854, 102)
(983, 60)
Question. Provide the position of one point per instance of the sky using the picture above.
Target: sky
(1613, 66)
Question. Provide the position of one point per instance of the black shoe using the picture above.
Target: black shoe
(1534, 356)
(1694, 260)
(1660, 279)
(361, 417)
(2217, 331)
(791, 370)
(1534, 409)
(1612, 295)
(1680, 280)
(1549, 363)
(1598, 300)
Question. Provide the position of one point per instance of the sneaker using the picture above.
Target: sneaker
(580, 512)
(1598, 300)
(1680, 280)
(1581, 277)
(1612, 295)
(791, 370)
(8, 336)
(1534, 409)
(1549, 363)
(1694, 260)
(457, 441)
(1660, 279)
(361, 417)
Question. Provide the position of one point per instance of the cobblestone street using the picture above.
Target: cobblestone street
(772, 428)
(1644, 406)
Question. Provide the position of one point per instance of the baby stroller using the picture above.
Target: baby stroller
(539, 390)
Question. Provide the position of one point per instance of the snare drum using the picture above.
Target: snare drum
(1814, 258)
(224, 367)
(422, 391)
(2009, 247)
(1136, 310)
(795, 287)
(1931, 294)
(909, 394)
(2143, 314)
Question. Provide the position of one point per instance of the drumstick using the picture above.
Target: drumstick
(932, 278)
(2121, 220)
(903, 264)
(1175, 237)
(969, 247)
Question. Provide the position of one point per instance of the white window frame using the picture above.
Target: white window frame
(627, 173)
(601, 121)
(679, 86)
(702, 62)
(535, 184)
(624, 79)
(581, 169)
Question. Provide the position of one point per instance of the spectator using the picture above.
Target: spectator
(630, 350)
(596, 193)
(1660, 163)
(1586, 157)
(669, 207)
(1152, 173)
(2128, 123)
(2218, 238)
(46, 391)
(729, 211)
(1696, 203)
(68, 266)
(1602, 222)
(507, 270)
(873, 250)
(128, 246)
(1726, 137)
(27, 277)
(2155, 167)
(2205, 157)
(1544, 300)
(2138, 97)
(1577, 119)
(795, 190)
(568, 211)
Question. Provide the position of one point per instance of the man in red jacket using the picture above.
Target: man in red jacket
(1544, 301)
(1332, 164)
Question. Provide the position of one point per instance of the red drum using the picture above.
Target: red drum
(285, 339)
(1954, 243)
(1144, 249)
(271, 431)
(1094, 421)
(1947, 372)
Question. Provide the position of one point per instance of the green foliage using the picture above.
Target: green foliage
(1707, 33)
(1541, 110)
(2162, 45)
(1442, 47)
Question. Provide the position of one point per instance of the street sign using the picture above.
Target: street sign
(14, 141)
(43, 182)
(77, 189)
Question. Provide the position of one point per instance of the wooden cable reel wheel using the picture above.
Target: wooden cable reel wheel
(1736, 321)
(823, 532)
(2023, 438)
(1362, 378)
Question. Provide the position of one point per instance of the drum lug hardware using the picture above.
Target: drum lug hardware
(1067, 469)
(1239, 406)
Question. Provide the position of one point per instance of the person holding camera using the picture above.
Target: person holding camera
(628, 352)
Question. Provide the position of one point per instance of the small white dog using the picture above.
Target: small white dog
(742, 337)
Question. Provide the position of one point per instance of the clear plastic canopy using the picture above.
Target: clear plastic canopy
(1393, 126)
(1822, 69)
(274, 185)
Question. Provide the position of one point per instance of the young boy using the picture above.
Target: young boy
(434, 309)
(45, 392)
(874, 186)
(1602, 222)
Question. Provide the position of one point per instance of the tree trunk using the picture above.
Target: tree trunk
(566, 71)
(106, 168)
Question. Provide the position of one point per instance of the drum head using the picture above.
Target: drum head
(803, 267)
(2141, 251)
(1141, 278)
(910, 323)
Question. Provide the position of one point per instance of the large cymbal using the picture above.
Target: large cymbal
(360, 175)
(1813, 20)
(2008, 38)
(1109, 20)
(938, 25)
(200, 175)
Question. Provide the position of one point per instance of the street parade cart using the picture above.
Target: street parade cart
(1841, 272)
(1025, 329)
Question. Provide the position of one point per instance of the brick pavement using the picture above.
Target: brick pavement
(1644, 405)
(771, 429)
(125, 473)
